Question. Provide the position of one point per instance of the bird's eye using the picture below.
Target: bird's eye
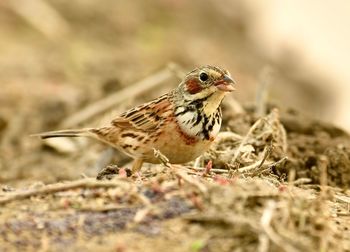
(203, 76)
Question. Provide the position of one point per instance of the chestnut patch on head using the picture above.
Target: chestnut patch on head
(193, 86)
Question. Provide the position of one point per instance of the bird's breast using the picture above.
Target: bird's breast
(199, 125)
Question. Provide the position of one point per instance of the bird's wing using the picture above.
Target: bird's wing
(146, 117)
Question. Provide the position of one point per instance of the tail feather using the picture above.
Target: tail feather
(64, 133)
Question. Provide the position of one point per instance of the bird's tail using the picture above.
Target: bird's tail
(65, 133)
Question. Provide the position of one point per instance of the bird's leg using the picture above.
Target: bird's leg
(136, 165)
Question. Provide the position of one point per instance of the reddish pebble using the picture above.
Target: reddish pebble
(122, 173)
(221, 180)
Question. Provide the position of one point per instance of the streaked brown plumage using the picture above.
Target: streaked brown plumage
(180, 124)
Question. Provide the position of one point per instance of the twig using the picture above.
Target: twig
(260, 171)
(248, 168)
(325, 242)
(265, 221)
(213, 169)
(245, 139)
(342, 198)
(262, 93)
(264, 243)
(50, 189)
(118, 97)
(180, 174)
(319, 187)
(284, 141)
(196, 183)
(278, 162)
(161, 157)
(227, 135)
(35, 11)
(343, 214)
(232, 219)
(267, 152)
(323, 172)
(260, 164)
(142, 213)
(197, 162)
(103, 208)
(301, 181)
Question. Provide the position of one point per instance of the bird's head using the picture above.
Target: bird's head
(205, 81)
(198, 98)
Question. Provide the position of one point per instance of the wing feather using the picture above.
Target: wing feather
(146, 117)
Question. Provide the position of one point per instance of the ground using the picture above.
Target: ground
(276, 178)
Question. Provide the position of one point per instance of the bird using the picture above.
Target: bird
(181, 124)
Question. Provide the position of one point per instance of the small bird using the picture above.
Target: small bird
(181, 124)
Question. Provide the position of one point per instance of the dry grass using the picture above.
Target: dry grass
(247, 206)
(279, 182)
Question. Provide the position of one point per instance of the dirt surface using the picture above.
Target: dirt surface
(276, 178)
(273, 195)
(309, 141)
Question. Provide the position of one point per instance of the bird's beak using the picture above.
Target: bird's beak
(225, 84)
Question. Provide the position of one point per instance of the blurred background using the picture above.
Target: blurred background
(56, 57)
